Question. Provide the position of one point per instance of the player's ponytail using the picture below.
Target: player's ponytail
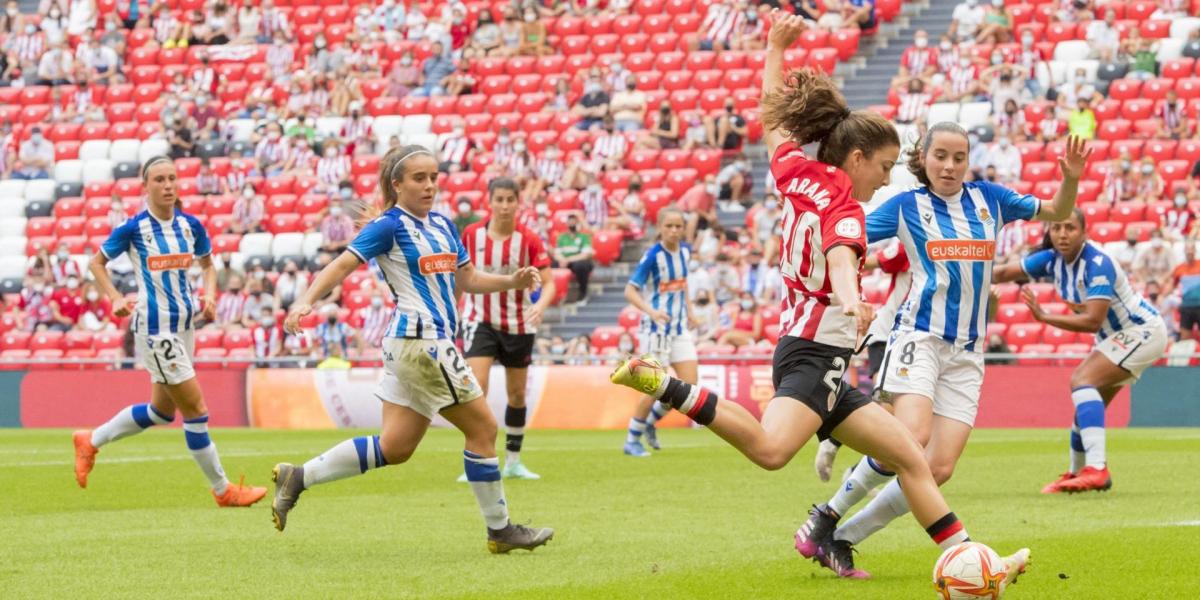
(809, 108)
(916, 156)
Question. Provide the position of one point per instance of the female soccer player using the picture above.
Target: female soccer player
(1130, 336)
(422, 260)
(933, 366)
(162, 241)
(502, 326)
(823, 313)
(667, 320)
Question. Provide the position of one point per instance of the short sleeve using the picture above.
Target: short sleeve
(842, 225)
(203, 245)
(1037, 265)
(787, 156)
(118, 241)
(1013, 206)
(376, 238)
(1100, 277)
(893, 259)
(645, 268)
(884, 221)
(536, 250)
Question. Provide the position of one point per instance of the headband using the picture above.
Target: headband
(152, 162)
(392, 174)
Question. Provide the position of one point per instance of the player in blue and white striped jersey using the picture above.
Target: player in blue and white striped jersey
(422, 260)
(658, 288)
(162, 242)
(933, 366)
(1130, 336)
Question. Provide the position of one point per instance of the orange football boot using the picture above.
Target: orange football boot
(240, 494)
(85, 456)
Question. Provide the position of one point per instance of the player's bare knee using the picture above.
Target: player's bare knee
(941, 473)
(1080, 378)
(395, 453)
(771, 458)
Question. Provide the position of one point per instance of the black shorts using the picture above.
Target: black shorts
(511, 350)
(1189, 317)
(875, 354)
(804, 369)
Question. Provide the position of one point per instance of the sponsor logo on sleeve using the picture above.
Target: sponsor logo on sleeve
(438, 263)
(848, 227)
(982, 250)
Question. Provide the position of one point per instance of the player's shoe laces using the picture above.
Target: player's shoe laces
(514, 536)
(652, 436)
(1055, 486)
(838, 556)
(1015, 564)
(1089, 478)
(289, 483)
(85, 455)
(517, 470)
(817, 529)
(636, 449)
(239, 494)
(643, 373)
(826, 452)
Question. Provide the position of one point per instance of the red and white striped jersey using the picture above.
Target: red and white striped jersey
(504, 311)
(230, 308)
(455, 149)
(332, 170)
(720, 22)
(550, 170)
(913, 107)
(28, 47)
(357, 129)
(610, 146)
(819, 213)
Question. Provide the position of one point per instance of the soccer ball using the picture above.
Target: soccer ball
(969, 570)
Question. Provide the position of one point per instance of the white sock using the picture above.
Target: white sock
(866, 475)
(512, 458)
(354, 456)
(195, 431)
(132, 419)
(484, 476)
(658, 410)
(881, 510)
(636, 427)
(1089, 417)
(1078, 457)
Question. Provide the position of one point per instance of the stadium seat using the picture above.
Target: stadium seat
(1035, 349)
(606, 336)
(607, 246)
(1013, 313)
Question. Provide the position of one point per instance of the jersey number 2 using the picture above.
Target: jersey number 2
(168, 349)
(833, 380)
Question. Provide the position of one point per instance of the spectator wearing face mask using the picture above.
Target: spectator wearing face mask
(720, 22)
(728, 130)
(706, 314)
(36, 157)
(1082, 121)
(1010, 122)
(291, 285)
(1154, 261)
(664, 132)
(66, 304)
(1148, 184)
(966, 20)
(962, 80)
(573, 250)
(435, 72)
(1004, 82)
(332, 168)
(593, 105)
(734, 180)
(271, 151)
(549, 173)
(1127, 252)
(231, 305)
(258, 294)
(746, 324)
(465, 215)
(751, 34)
(456, 152)
(997, 24)
(1185, 278)
(554, 346)
(96, 312)
(1173, 122)
(1179, 222)
(267, 333)
(35, 303)
(248, 212)
(533, 36)
(374, 319)
(914, 101)
(61, 266)
(209, 183)
(333, 333)
(337, 230)
(1006, 159)
(1104, 35)
(1119, 185)
(404, 76)
(918, 60)
(628, 106)
(626, 345)
(610, 147)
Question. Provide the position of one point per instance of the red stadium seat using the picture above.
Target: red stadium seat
(1115, 129)
(1038, 171)
(46, 340)
(1105, 231)
(1095, 212)
(238, 338)
(1013, 313)
(15, 340)
(1035, 349)
(607, 246)
(681, 180)
(1021, 334)
(1057, 337)
(1137, 108)
(104, 340)
(606, 336)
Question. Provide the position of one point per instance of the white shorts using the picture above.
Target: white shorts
(425, 375)
(1135, 348)
(669, 349)
(167, 356)
(917, 362)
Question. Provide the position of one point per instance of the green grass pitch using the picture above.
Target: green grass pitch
(694, 521)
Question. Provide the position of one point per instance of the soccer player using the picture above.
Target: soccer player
(823, 315)
(423, 260)
(933, 366)
(665, 329)
(1130, 336)
(502, 326)
(163, 241)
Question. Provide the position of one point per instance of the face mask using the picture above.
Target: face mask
(37, 138)
(1003, 142)
(268, 322)
(558, 349)
(1147, 169)
(332, 319)
(464, 207)
(195, 271)
(1180, 201)
(330, 153)
(964, 62)
(972, 3)
(747, 305)
(1153, 296)
(319, 44)
(249, 193)
(1125, 165)
(459, 132)
(1027, 40)
(335, 211)
(530, 18)
(997, 59)
(92, 296)
(235, 290)
(519, 147)
(921, 42)
(38, 288)
(72, 284)
(946, 46)
(201, 101)
(273, 136)
(573, 227)
(551, 153)
(54, 14)
(631, 86)
(711, 189)
(502, 139)
(407, 60)
(346, 193)
(63, 255)
(591, 88)
(260, 274)
(702, 301)
(376, 302)
(998, 3)
(29, 29)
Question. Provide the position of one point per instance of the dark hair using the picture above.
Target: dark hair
(503, 183)
(1078, 214)
(916, 156)
(809, 108)
(391, 169)
(154, 160)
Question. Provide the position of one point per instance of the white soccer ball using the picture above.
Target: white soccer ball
(969, 570)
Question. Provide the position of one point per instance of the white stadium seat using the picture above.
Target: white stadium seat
(12, 266)
(942, 111)
(330, 126)
(12, 226)
(974, 114)
(68, 171)
(97, 170)
(12, 188)
(1072, 50)
(1180, 28)
(417, 124)
(312, 243)
(428, 140)
(386, 126)
(13, 246)
(1170, 49)
(124, 151)
(94, 149)
(12, 207)
(287, 244)
(241, 129)
(151, 148)
(40, 189)
(255, 244)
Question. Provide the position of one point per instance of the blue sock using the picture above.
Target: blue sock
(658, 410)
(484, 476)
(354, 456)
(636, 427)
(1077, 453)
(195, 431)
(1089, 417)
(132, 419)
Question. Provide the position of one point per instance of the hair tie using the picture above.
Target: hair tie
(846, 114)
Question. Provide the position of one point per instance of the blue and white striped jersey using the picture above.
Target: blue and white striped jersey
(950, 243)
(664, 274)
(161, 253)
(1094, 275)
(419, 259)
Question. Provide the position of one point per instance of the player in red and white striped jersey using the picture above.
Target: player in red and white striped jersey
(500, 327)
(823, 246)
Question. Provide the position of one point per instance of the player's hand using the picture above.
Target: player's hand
(1031, 301)
(292, 323)
(526, 278)
(785, 29)
(533, 315)
(693, 322)
(122, 307)
(208, 309)
(1074, 158)
(863, 313)
(660, 316)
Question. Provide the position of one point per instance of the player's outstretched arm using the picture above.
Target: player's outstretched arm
(1071, 163)
(322, 284)
(1009, 272)
(785, 30)
(473, 281)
